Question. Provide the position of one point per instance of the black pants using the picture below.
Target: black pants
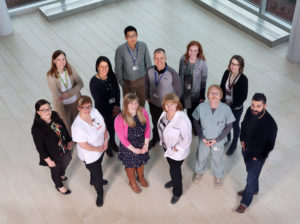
(155, 114)
(236, 125)
(60, 169)
(191, 110)
(176, 177)
(96, 174)
(109, 122)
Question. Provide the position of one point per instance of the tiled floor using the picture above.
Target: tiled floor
(27, 192)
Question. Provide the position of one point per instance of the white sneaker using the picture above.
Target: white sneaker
(218, 182)
(197, 177)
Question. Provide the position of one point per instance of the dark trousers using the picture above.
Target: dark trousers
(96, 175)
(155, 114)
(60, 169)
(236, 125)
(109, 122)
(176, 177)
(253, 168)
(191, 110)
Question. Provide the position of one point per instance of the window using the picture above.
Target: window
(284, 9)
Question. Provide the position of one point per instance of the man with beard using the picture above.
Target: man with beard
(258, 135)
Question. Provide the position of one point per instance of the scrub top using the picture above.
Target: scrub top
(212, 124)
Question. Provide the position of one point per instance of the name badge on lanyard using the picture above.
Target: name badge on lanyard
(134, 58)
(111, 100)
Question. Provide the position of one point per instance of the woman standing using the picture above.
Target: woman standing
(193, 74)
(213, 121)
(133, 129)
(234, 85)
(53, 143)
(175, 132)
(65, 85)
(106, 94)
(89, 131)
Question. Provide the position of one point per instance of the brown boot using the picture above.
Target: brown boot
(131, 176)
(141, 178)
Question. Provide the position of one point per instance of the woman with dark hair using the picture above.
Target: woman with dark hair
(89, 131)
(193, 74)
(53, 143)
(65, 85)
(106, 94)
(175, 132)
(133, 129)
(234, 85)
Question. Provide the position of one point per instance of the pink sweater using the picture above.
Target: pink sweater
(122, 128)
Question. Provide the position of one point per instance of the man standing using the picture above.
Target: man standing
(212, 121)
(160, 80)
(131, 62)
(258, 135)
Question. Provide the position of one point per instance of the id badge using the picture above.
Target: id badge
(135, 67)
(188, 86)
(155, 95)
(228, 98)
(112, 100)
(216, 148)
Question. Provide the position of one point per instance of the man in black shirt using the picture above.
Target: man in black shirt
(258, 135)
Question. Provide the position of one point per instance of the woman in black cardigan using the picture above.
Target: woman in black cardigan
(53, 143)
(106, 94)
(235, 90)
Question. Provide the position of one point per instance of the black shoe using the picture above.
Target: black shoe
(65, 193)
(231, 150)
(152, 143)
(104, 182)
(99, 201)
(109, 152)
(175, 199)
(169, 184)
(64, 179)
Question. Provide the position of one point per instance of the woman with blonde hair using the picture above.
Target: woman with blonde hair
(175, 132)
(132, 126)
(65, 85)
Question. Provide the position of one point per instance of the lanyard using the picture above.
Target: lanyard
(234, 81)
(106, 82)
(132, 57)
(190, 72)
(66, 76)
(157, 80)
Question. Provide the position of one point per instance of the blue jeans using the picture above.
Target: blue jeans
(253, 168)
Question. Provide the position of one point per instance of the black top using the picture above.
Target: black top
(240, 89)
(103, 91)
(46, 140)
(259, 135)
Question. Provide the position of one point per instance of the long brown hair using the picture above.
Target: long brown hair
(53, 69)
(128, 98)
(200, 50)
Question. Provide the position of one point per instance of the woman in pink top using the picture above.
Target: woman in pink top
(133, 129)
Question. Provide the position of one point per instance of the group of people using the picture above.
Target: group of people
(167, 93)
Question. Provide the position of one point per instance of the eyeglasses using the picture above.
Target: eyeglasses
(214, 93)
(235, 65)
(46, 110)
(131, 36)
(86, 108)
